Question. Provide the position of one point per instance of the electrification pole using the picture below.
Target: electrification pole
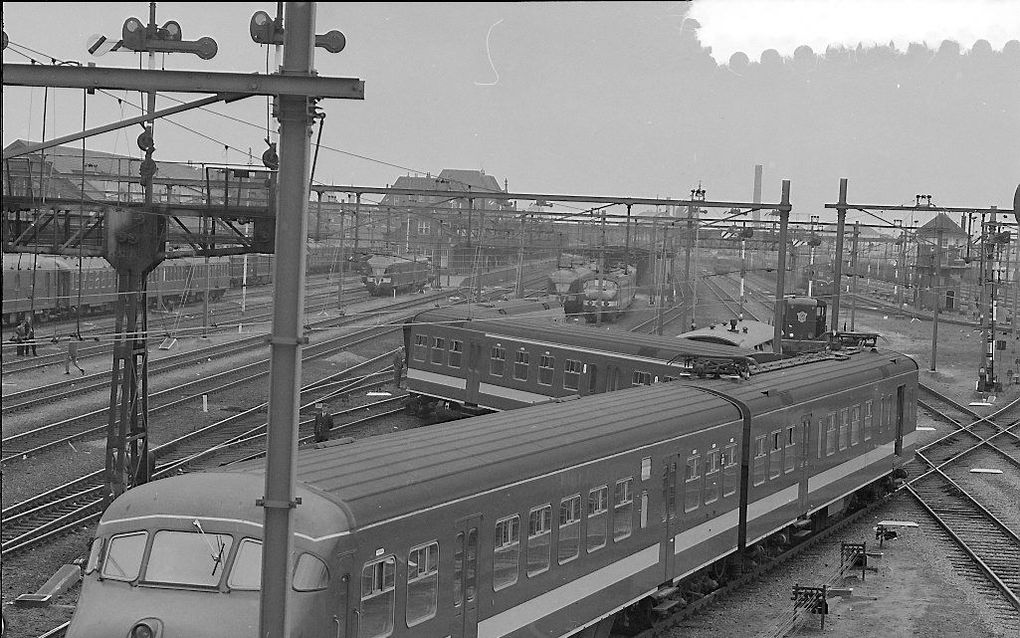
(853, 278)
(784, 221)
(837, 272)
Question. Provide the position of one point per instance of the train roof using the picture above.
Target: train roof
(33, 261)
(462, 313)
(379, 478)
(747, 333)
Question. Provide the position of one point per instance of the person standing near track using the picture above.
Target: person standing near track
(398, 366)
(72, 354)
(20, 335)
(30, 336)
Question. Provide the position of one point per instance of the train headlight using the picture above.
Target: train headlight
(141, 630)
(147, 628)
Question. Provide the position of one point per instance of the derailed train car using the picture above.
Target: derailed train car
(554, 520)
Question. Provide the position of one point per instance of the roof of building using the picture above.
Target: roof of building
(941, 222)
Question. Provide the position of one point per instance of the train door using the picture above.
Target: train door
(593, 378)
(668, 516)
(342, 590)
(472, 373)
(802, 458)
(465, 578)
(899, 421)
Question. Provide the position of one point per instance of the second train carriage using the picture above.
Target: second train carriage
(457, 365)
(554, 520)
(740, 333)
(394, 275)
(567, 283)
(608, 296)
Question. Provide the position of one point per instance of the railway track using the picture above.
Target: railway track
(985, 544)
(221, 320)
(81, 501)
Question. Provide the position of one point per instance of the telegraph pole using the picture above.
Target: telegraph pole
(853, 278)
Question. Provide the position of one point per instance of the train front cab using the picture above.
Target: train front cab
(194, 568)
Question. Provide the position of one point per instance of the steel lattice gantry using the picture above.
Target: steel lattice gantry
(206, 214)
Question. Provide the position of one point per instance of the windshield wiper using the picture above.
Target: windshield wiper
(215, 553)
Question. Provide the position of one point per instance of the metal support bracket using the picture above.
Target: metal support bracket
(282, 505)
(280, 341)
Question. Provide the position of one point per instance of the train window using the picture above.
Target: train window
(539, 539)
(598, 512)
(830, 435)
(692, 483)
(623, 509)
(521, 358)
(646, 468)
(855, 425)
(790, 455)
(644, 509)
(458, 570)
(546, 365)
(438, 349)
(188, 558)
(377, 585)
(246, 571)
(728, 460)
(497, 359)
(421, 343)
(456, 352)
(95, 554)
(570, 529)
(310, 573)
(711, 476)
(844, 428)
(422, 583)
(124, 556)
(759, 460)
(507, 552)
(776, 455)
(867, 419)
(571, 374)
(642, 378)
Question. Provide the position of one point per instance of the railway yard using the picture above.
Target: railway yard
(207, 407)
(268, 373)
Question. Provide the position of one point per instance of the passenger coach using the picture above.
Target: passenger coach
(553, 520)
(495, 363)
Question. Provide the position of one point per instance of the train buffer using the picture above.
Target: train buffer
(65, 578)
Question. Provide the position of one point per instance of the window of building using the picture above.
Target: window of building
(711, 476)
(692, 483)
(598, 508)
(546, 365)
(424, 228)
(456, 352)
(642, 378)
(855, 425)
(760, 458)
(623, 509)
(867, 419)
(830, 435)
(844, 428)
(422, 582)
(438, 350)
(790, 455)
(421, 344)
(539, 539)
(728, 460)
(521, 358)
(507, 552)
(571, 374)
(776, 454)
(497, 361)
(377, 585)
(570, 529)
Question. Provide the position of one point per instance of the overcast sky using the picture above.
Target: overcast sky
(577, 98)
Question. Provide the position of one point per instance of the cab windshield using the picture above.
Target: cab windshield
(188, 558)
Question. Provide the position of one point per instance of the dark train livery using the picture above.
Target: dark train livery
(608, 296)
(740, 333)
(552, 520)
(387, 275)
(568, 284)
(53, 291)
(494, 363)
